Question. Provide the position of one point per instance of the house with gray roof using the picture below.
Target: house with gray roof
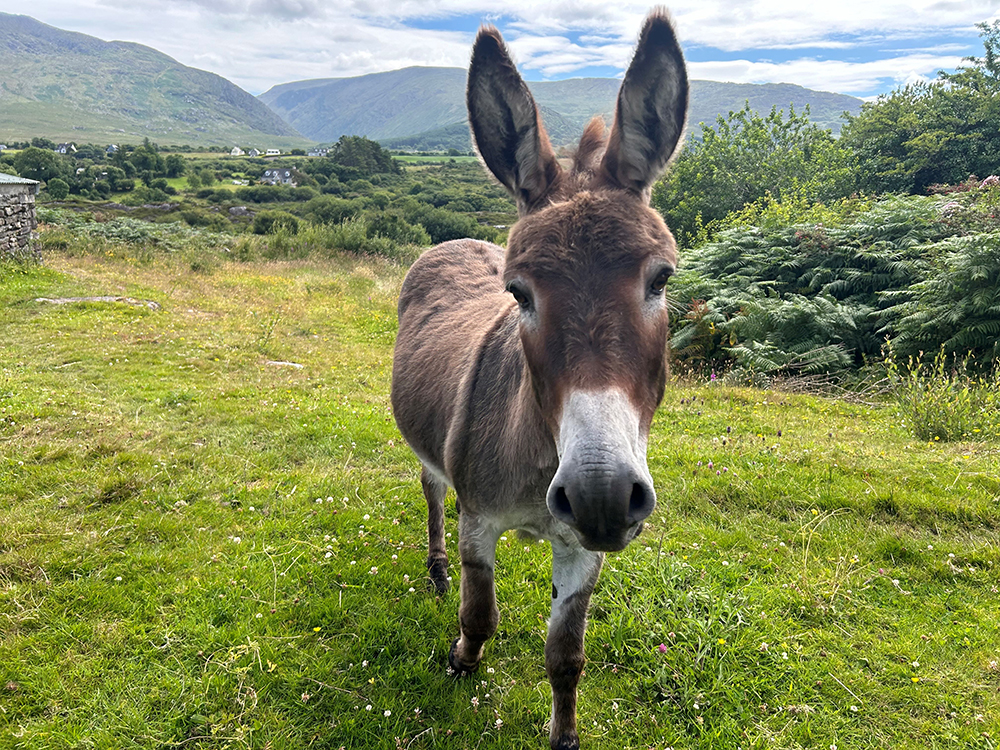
(278, 177)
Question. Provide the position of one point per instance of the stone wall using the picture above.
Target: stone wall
(17, 222)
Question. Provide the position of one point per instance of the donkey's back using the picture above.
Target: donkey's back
(450, 298)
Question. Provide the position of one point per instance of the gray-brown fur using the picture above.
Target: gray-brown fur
(535, 405)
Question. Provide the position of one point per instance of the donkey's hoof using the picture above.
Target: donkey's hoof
(438, 570)
(567, 741)
(459, 669)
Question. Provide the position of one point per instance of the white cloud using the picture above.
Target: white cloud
(260, 43)
(827, 75)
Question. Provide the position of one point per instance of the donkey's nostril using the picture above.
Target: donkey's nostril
(640, 503)
(562, 509)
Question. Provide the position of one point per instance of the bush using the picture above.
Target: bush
(940, 400)
(806, 297)
(273, 222)
(742, 158)
(57, 188)
(443, 225)
(327, 210)
(394, 227)
(200, 218)
(143, 195)
(957, 304)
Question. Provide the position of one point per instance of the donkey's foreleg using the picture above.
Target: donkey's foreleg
(574, 575)
(437, 555)
(478, 614)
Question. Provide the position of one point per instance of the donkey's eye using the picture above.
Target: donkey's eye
(520, 295)
(660, 280)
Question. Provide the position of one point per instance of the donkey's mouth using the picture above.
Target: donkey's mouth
(609, 543)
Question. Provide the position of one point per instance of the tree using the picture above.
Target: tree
(57, 188)
(148, 162)
(932, 133)
(744, 157)
(175, 165)
(38, 164)
(363, 154)
(118, 179)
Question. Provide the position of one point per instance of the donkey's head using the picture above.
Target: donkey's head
(586, 264)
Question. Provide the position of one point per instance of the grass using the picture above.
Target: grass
(201, 549)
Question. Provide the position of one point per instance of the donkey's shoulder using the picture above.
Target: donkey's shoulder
(454, 271)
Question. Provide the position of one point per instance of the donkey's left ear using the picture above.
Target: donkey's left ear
(651, 110)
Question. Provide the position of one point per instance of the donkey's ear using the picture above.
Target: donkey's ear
(505, 124)
(651, 110)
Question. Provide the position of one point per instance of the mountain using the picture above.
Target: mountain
(424, 108)
(73, 87)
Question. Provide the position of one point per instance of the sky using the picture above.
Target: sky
(858, 47)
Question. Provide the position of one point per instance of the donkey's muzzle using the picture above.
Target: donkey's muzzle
(604, 503)
(602, 489)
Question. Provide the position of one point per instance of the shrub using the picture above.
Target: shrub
(941, 400)
(57, 188)
(327, 210)
(957, 304)
(273, 222)
(394, 227)
(804, 297)
(443, 225)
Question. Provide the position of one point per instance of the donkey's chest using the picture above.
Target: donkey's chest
(532, 521)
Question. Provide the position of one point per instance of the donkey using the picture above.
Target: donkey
(527, 379)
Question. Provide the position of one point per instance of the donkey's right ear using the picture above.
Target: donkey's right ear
(505, 124)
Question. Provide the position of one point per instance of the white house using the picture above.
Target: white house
(253, 153)
(273, 152)
(237, 151)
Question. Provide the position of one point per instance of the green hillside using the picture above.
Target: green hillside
(380, 106)
(424, 108)
(73, 87)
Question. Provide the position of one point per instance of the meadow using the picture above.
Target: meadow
(212, 536)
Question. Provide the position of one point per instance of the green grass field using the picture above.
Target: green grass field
(199, 549)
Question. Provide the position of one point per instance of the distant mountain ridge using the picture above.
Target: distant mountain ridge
(73, 87)
(424, 108)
